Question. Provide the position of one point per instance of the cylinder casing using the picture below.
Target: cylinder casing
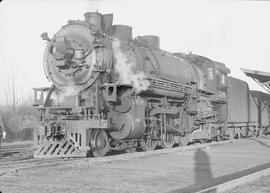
(129, 124)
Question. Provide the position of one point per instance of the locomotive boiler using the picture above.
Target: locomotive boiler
(111, 91)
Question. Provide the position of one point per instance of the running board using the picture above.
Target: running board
(63, 148)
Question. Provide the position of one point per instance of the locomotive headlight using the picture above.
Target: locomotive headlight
(61, 49)
(55, 54)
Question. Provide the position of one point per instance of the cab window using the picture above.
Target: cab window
(222, 79)
(210, 73)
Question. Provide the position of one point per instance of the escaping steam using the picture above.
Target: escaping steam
(65, 92)
(125, 70)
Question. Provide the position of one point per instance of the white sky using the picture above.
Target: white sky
(236, 33)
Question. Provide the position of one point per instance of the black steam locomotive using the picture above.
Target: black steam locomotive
(112, 92)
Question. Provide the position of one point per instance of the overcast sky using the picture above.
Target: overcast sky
(236, 33)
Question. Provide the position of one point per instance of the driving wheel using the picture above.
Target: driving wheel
(99, 143)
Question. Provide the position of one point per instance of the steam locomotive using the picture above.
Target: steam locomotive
(111, 91)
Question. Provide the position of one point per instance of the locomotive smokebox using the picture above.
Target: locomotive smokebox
(93, 18)
(121, 32)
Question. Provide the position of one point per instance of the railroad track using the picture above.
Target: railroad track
(15, 148)
(220, 184)
(9, 166)
(13, 152)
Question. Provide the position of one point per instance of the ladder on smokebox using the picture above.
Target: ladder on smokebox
(63, 148)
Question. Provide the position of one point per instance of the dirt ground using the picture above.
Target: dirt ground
(185, 171)
(260, 186)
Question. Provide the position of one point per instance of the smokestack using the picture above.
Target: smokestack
(93, 18)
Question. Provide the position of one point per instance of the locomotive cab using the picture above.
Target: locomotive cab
(211, 75)
(221, 81)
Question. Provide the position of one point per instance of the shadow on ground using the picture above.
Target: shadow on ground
(204, 178)
(202, 173)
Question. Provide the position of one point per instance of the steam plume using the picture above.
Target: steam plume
(67, 91)
(125, 70)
